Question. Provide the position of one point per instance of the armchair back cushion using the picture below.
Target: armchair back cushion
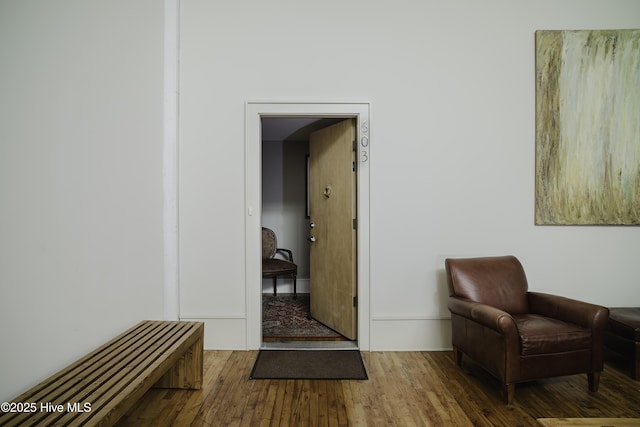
(497, 281)
(269, 243)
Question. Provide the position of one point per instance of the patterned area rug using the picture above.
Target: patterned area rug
(284, 316)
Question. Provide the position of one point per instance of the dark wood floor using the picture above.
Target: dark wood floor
(404, 389)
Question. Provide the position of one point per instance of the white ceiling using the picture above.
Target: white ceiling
(293, 128)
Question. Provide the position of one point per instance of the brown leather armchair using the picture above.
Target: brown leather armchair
(517, 335)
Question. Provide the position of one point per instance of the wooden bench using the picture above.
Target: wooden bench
(100, 387)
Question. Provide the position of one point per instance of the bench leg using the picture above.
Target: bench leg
(187, 372)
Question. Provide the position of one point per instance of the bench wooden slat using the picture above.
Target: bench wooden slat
(73, 371)
(114, 376)
(60, 388)
(119, 375)
(133, 381)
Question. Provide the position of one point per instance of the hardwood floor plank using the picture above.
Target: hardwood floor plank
(356, 414)
(592, 422)
(404, 389)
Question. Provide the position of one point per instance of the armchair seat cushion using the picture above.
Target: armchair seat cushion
(544, 335)
(276, 267)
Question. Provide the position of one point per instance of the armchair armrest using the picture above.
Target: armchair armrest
(569, 310)
(486, 315)
(287, 251)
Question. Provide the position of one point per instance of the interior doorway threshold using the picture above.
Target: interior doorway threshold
(310, 345)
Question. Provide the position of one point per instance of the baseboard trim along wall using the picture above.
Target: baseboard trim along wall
(222, 332)
(410, 333)
(285, 286)
(387, 333)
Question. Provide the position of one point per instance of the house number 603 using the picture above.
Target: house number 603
(364, 141)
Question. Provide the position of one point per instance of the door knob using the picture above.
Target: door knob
(312, 239)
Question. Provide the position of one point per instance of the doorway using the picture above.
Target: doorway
(303, 160)
(255, 113)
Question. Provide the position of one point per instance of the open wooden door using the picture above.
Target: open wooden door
(332, 205)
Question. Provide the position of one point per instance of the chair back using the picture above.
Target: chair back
(269, 243)
(496, 281)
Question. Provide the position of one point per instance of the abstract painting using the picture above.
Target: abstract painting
(587, 127)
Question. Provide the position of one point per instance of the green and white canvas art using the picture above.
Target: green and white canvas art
(587, 127)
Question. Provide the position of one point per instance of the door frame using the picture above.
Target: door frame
(254, 112)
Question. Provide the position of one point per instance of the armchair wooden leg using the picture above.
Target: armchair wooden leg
(457, 355)
(594, 380)
(509, 392)
(295, 290)
(275, 278)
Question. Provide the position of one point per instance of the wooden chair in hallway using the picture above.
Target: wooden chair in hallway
(274, 267)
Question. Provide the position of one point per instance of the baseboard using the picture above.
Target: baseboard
(410, 333)
(285, 286)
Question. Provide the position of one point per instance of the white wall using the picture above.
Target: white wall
(284, 206)
(451, 161)
(452, 148)
(81, 244)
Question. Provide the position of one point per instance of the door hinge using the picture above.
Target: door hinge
(355, 145)
(355, 301)
(353, 168)
(355, 223)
